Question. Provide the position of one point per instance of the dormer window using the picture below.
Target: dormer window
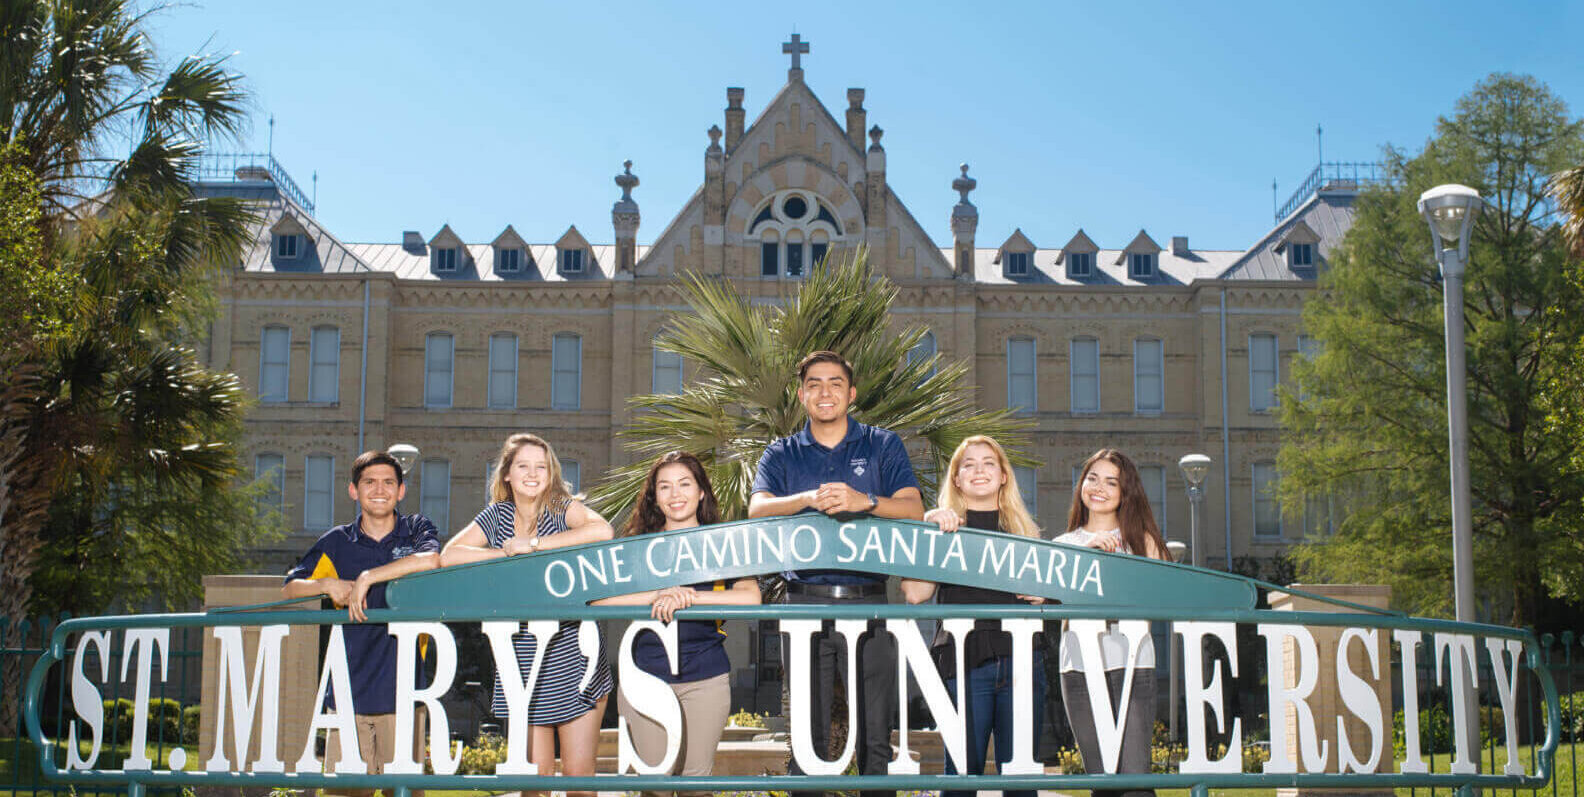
(1080, 264)
(445, 259)
(288, 246)
(571, 261)
(1017, 263)
(1300, 255)
(1141, 265)
(508, 261)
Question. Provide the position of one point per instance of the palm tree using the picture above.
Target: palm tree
(1568, 188)
(110, 138)
(746, 396)
(83, 94)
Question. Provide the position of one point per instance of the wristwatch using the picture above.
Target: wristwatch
(874, 503)
(533, 544)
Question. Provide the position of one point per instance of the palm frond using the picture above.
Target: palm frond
(746, 394)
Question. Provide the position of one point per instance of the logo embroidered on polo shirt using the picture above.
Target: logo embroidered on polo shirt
(858, 466)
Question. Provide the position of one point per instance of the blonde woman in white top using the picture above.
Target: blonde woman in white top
(1111, 512)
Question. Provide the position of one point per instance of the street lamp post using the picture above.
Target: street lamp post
(1450, 210)
(406, 455)
(1194, 468)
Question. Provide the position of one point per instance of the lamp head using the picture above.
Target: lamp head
(406, 454)
(1450, 210)
(1194, 468)
(1177, 550)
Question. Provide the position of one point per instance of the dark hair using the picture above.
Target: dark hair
(1135, 519)
(370, 458)
(824, 357)
(646, 515)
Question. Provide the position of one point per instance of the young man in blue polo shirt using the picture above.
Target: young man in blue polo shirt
(842, 468)
(350, 564)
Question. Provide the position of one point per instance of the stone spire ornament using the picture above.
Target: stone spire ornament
(964, 223)
(625, 218)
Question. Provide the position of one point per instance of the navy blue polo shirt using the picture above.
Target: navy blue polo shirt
(701, 648)
(345, 552)
(869, 459)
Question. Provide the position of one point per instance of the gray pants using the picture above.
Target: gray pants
(1135, 757)
(877, 690)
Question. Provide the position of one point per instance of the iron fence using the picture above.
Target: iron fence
(224, 166)
(23, 643)
(1332, 176)
(171, 723)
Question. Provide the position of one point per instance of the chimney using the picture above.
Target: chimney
(857, 117)
(413, 241)
(734, 117)
(1180, 246)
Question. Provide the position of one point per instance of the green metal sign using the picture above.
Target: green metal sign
(1073, 575)
(1096, 591)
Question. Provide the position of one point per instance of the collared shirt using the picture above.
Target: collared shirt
(869, 459)
(345, 552)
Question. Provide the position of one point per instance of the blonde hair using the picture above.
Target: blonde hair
(1015, 517)
(555, 492)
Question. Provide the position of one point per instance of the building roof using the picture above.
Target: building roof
(1170, 269)
(1328, 214)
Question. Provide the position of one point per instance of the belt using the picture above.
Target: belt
(836, 590)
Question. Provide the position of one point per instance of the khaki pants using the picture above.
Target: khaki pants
(705, 706)
(376, 738)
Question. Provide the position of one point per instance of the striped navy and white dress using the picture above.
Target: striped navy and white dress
(556, 698)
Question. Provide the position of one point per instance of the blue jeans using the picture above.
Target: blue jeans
(990, 711)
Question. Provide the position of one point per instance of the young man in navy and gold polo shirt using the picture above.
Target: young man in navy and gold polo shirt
(350, 564)
(841, 467)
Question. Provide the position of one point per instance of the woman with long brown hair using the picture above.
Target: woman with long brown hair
(677, 495)
(1111, 512)
(532, 510)
(982, 494)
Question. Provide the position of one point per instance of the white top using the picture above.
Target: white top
(1114, 641)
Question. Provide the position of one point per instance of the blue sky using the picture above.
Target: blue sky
(1172, 117)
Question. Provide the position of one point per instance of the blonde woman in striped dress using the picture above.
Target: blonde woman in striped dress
(533, 511)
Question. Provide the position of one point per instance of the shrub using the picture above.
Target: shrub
(481, 757)
(190, 718)
(747, 719)
(166, 720)
(1435, 729)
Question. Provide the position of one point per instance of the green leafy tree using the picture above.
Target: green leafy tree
(125, 437)
(746, 397)
(1366, 421)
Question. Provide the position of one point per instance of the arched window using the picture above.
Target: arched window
(795, 230)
